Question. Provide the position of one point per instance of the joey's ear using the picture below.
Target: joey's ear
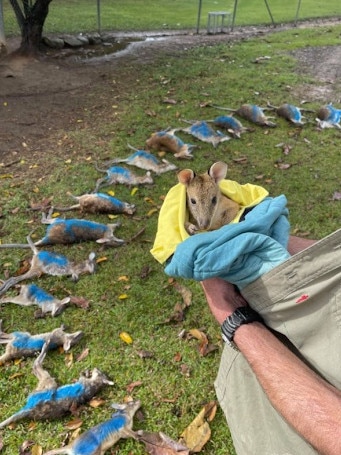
(186, 176)
(218, 171)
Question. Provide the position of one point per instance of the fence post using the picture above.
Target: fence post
(99, 16)
(2, 30)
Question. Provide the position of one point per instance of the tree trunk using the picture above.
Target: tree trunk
(32, 27)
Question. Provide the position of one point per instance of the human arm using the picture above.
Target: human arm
(305, 400)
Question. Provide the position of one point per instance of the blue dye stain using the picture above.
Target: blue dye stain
(334, 114)
(202, 129)
(69, 391)
(93, 439)
(40, 296)
(37, 398)
(66, 392)
(145, 155)
(24, 340)
(48, 258)
(256, 113)
(118, 170)
(112, 200)
(227, 121)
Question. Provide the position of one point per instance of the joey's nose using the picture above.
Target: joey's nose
(204, 224)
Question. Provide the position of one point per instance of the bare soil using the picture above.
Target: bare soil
(41, 96)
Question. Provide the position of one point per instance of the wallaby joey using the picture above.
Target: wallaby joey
(208, 208)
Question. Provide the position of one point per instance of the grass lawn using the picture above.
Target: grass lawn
(130, 292)
(73, 16)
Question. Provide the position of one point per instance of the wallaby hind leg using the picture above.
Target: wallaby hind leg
(45, 380)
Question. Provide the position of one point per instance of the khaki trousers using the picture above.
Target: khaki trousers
(301, 300)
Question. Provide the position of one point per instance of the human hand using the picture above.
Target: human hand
(222, 297)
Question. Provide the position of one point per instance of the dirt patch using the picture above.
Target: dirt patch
(39, 96)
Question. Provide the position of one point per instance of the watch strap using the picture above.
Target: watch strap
(242, 315)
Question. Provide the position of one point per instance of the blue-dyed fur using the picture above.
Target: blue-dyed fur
(98, 439)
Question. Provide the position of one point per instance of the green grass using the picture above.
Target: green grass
(74, 16)
(224, 74)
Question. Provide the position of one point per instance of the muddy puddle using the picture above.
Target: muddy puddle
(106, 51)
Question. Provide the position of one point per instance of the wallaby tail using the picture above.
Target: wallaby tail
(15, 245)
(64, 450)
(7, 284)
(14, 418)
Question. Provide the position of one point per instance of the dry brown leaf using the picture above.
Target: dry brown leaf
(74, 424)
(177, 357)
(205, 347)
(186, 293)
(80, 302)
(16, 375)
(169, 101)
(196, 435)
(283, 166)
(161, 444)
(69, 359)
(83, 355)
(144, 354)
(96, 402)
(130, 387)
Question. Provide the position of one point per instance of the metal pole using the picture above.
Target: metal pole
(268, 8)
(2, 29)
(298, 10)
(99, 16)
(234, 14)
(199, 16)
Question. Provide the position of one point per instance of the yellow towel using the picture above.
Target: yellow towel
(173, 214)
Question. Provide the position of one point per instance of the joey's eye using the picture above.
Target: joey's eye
(214, 200)
(193, 201)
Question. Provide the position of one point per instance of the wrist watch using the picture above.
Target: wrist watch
(242, 315)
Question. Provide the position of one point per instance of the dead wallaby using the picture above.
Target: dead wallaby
(209, 209)
(97, 440)
(24, 344)
(50, 401)
(46, 262)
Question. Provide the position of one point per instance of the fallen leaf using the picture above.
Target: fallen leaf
(241, 160)
(130, 387)
(101, 259)
(145, 271)
(283, 166)
(169, 101)
(43, 205)
(83, 355)
(177, 357)
(126, 337)
(144, 354)
(186, 293)
(161, 444)
(16, 375)
(123, 296)
(74, 424)
(196, 435)
(336, 196)
(96, 402)
(204, 347)
(123, 278)
(80, 302)
(151, 212)
(69, 359)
